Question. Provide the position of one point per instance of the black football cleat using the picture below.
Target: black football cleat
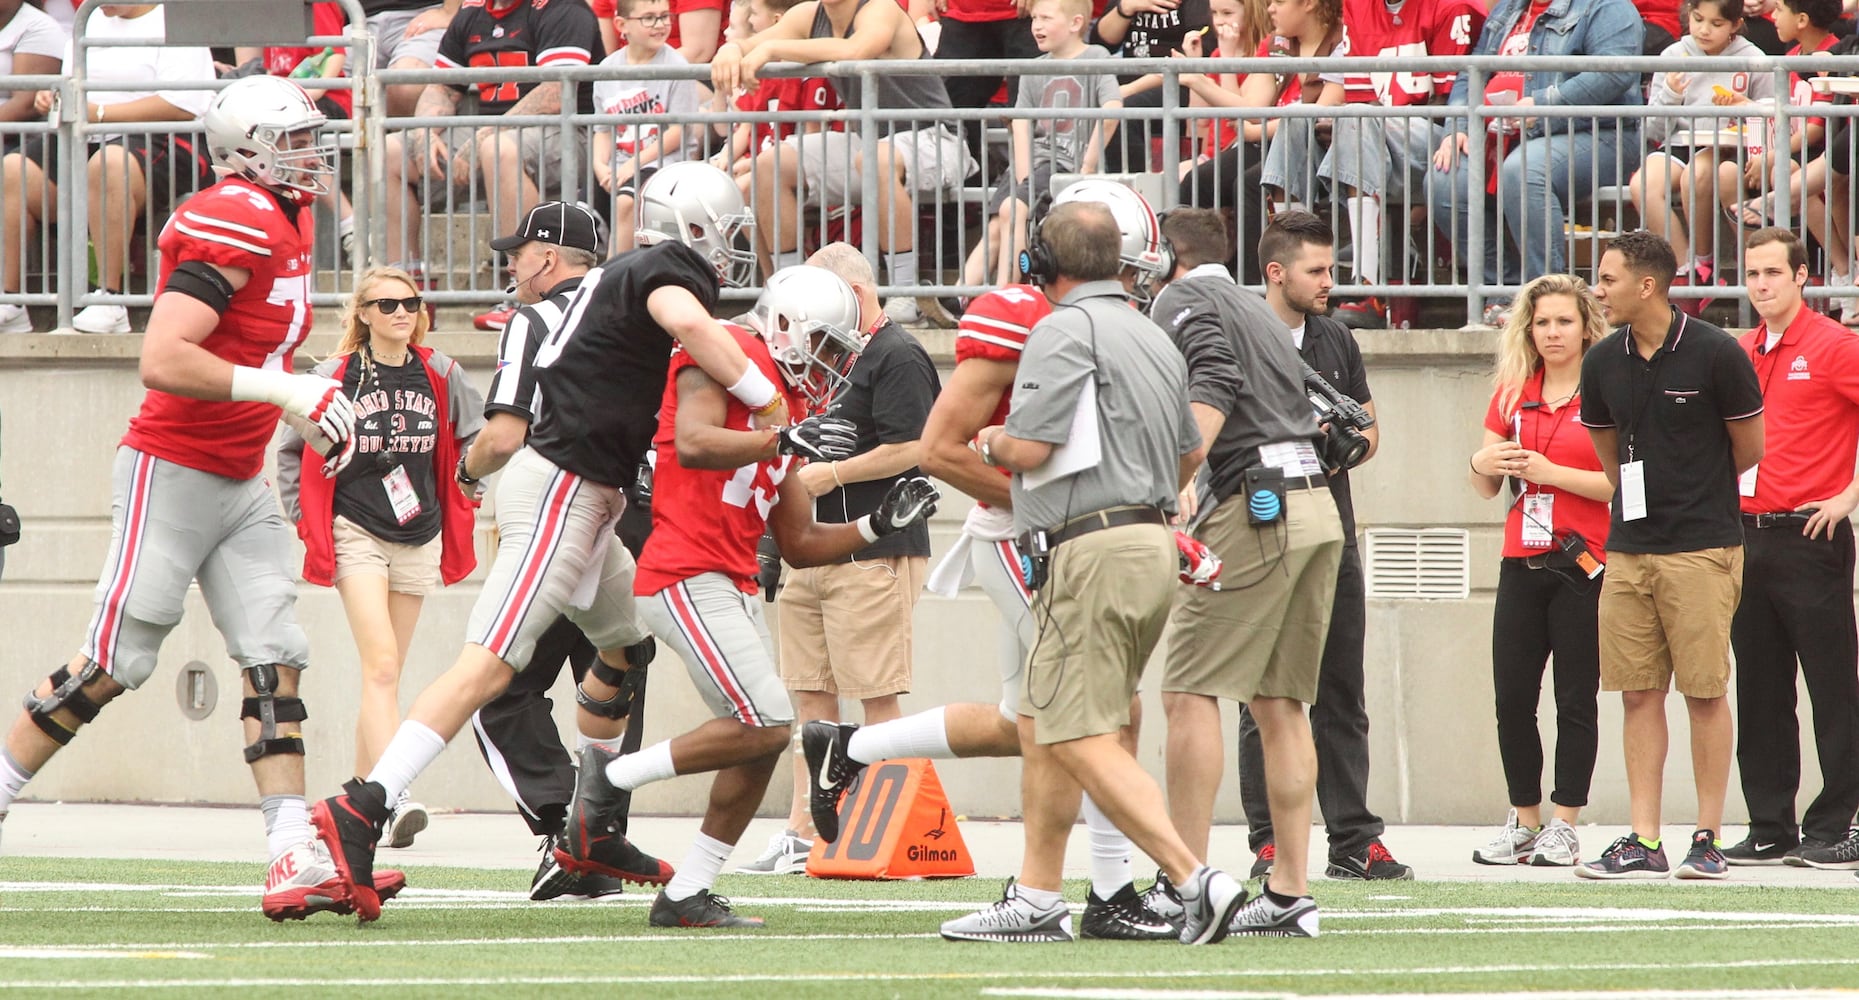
(350, 825)
(829, 772)
(591, 842)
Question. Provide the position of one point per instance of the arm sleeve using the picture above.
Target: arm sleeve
(903, 392)
(465, 406)
(290, 473)
(1215, 378)
(221, 227)
(1189, 429)
(452, 51)
(1053, 371)
(512, 387)
(1736, 382)
(1457, 31)
(568, 38)
(1355, 373)
(1494, 420)
(1594, 409)
(44, 38)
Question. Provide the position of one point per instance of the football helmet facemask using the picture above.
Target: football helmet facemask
(268, 130)
(700, 206)
(810, 318)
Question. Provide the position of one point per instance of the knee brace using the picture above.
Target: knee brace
(629, 682)
(68, 693)
(269, 710)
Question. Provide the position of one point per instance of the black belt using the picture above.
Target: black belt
(1307, 483)
(1779, 519)
(1110, 517)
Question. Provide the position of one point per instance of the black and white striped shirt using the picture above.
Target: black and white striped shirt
(513, 387)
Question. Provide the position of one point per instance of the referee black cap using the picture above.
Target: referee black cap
(556, 222)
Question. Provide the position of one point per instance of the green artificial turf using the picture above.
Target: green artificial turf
(140, 928)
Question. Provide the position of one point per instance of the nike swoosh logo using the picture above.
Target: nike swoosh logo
(826, 773)
(1762, 847)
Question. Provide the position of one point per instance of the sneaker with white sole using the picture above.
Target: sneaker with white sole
(408, 820)
(1705, 859)
(1011, 919)
(1627, 858)
(786, 855)
(1751, 852)
(1843, 856)
(1557, 846)
(1512, 846)
(1264, 917)
(1123, 917)
(14, 319)
(101, 319)
(1209, 905)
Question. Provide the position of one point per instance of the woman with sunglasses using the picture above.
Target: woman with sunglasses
(389, 527)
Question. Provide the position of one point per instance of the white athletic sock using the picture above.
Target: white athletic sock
(345, 225)
(413, 748)
(1190, 890)
(1365, 229)
(13, 778)
(700, 868)
(925, 734)
(1110, 852)
(901, 266)
(1039, 899)
(287, 822)
(789, 258)
(642, 768)
(581, 740)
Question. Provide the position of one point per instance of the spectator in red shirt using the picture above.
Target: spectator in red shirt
(697, 27)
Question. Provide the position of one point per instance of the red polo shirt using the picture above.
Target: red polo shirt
(1810, 395)
(1558, 436)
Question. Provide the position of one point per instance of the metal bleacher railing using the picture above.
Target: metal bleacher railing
(950, 212)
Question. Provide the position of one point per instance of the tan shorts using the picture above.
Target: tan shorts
(1100, 614)
(1262, 635)
(845, 628)
(1668, 615)
(409, 569)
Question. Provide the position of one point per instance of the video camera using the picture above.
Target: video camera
(1344, 446)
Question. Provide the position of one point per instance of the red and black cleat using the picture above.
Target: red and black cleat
(592, 842)
(350, 824)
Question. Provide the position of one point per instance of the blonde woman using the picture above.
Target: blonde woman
(390, 527)
(1549, 585)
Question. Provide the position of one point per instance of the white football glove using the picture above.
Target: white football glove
(317, 400)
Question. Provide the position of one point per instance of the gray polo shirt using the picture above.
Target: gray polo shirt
(1143, 423)
(1241, 363)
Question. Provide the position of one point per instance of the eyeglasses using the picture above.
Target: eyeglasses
(652, 20)
(388, 307)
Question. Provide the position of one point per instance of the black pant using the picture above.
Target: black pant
(1542, 613)
(1231, 182)
(1339, 724)
(1011, 38)
(516, 732)
(1797, 605)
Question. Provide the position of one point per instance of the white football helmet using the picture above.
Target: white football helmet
(810, 318)
(266, 129)
(699, 206)
(1143, 247)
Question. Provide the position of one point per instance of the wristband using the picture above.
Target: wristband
(100, 114)
(754, 390)
(1474, 461)
(261, 385)
(1120, 12)
(983, 447)
(865, 530)
(836, 480)
(463, 476)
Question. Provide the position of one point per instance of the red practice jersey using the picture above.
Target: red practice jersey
(1419, 28)
(995, 328)
(234, 223)
(814, 93)
(709, 520)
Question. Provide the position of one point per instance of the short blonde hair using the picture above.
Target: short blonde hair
(1517, 355)
(1070, 8)
(354, 331)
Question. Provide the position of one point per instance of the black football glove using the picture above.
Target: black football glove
(818, 438)
(909, 501)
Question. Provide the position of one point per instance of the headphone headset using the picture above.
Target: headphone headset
(1037, 261)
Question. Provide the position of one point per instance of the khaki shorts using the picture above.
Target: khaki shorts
(845, 628)
(409, 569)
(936, 160)
(1262, 636)
(1100, 615)
(1668, 615)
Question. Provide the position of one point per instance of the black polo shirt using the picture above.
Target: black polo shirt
(1669, 411)
(1331, 350)
(891, 389)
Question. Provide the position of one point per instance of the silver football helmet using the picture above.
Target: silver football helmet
(700, 206)
(810, 318)
(268, 130)
(1143, 247)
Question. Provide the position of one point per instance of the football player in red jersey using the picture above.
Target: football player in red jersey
(190, 503)
(719, 483)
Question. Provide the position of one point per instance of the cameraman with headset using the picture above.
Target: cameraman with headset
(1100, 440)
(1275, 525)
(1297, 290)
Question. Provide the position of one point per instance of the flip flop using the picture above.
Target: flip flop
(1750, 214)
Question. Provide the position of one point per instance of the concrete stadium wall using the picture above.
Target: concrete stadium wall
(67, 399)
